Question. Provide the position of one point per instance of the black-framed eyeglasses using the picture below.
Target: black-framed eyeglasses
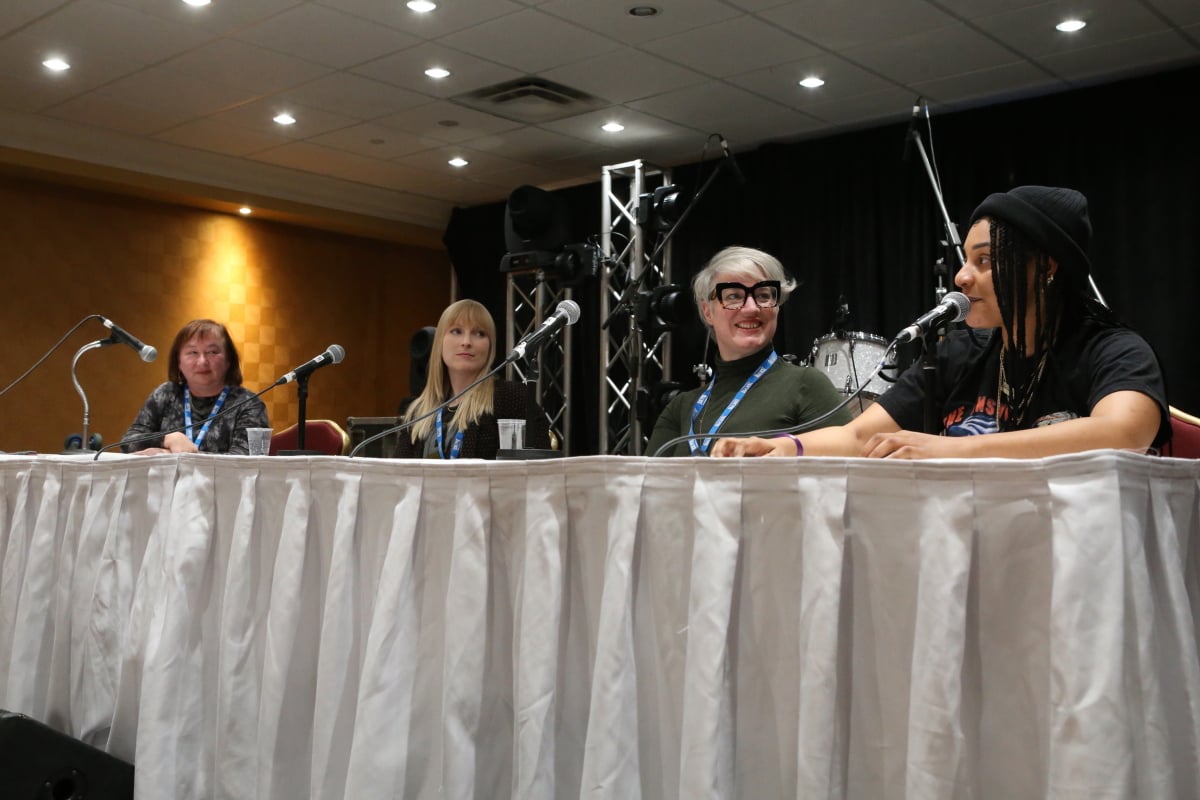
(732, 296)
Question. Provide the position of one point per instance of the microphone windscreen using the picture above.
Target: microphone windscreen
(571, 309)
(962, 305)
(336, 353)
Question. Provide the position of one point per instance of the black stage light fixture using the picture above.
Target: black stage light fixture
(662, 208)
(536, 229)
(577, 263)
(661, 309)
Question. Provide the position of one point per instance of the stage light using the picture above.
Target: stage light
(662, 208)
(661, 309)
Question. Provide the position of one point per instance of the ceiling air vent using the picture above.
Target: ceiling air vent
(530, 100)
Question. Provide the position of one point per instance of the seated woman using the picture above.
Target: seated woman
(1055, 373)
(466, 343)
(204, 378)
(738, 294)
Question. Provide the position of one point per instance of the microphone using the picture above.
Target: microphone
(912, 129)
(145, 351)
(737, 172)
(332, 355)
(953, 308)
(567, 313)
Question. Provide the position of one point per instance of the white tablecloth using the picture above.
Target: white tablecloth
(610, 627)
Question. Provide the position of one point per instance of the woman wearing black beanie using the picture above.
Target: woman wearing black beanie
(1044, 368)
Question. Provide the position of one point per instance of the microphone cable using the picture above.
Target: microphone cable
(49, 352)
(810, 424)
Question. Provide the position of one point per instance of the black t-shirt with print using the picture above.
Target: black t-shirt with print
(1080, 371)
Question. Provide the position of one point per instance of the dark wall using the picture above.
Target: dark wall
(850, 217)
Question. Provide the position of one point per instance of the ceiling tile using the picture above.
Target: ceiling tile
(623, 75)
(1032, 34)
(837, 25)
(15, 13)
(739, 45)
(407, 69)
(781, 82)
(104, 30)
(1154, 50)
(220, 137)
(216, 18)
(374, 141)
(240, 64)
(259, 115)
(320, 34)
(430, 121)
(614, 20)
(531, 144)
(530, 41)
(953, 50)
(31, 86)
(448, 17)
(721, 108)
(1011, 80)
(354, 96)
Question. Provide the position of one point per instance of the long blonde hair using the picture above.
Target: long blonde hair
(475, 403)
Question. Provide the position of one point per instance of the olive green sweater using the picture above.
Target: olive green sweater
(784, 397)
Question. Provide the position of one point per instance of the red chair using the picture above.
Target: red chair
(323, 435)
(1185, 435)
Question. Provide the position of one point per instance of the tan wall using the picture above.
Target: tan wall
(285, 292)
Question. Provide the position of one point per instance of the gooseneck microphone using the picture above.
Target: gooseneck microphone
(122, 336)
(332, 355)
(953, 308)
(567, 313)
(737, 171)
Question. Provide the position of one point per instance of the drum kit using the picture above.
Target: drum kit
(850, 360)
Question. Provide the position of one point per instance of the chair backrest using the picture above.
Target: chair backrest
(323, 435)
(1185, 435)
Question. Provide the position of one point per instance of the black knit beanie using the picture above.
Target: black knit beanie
(1054, 219)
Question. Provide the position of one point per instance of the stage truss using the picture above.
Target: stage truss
(532, 297)
(631, 361)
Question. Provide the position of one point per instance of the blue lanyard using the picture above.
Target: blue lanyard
(454, 448)
(703, 445)
(187, 415)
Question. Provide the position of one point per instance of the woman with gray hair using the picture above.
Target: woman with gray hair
(738, 294)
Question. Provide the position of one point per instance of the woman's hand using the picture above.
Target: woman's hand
(178, 443)
(910, 445)
(753, 446)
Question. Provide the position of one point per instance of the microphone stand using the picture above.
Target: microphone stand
(951, 230)
(78, 388)
(302, 426)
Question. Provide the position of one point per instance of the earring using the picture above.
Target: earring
(1050, 280)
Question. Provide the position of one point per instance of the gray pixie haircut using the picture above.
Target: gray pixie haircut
(746, 263)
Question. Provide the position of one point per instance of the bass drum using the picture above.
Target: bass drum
(849, 358)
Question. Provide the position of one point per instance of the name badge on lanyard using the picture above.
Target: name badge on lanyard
(455, 447)
(702, 445)
(187, 415)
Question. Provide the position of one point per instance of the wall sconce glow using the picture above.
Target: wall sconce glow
(197, 3)
(245, 211)
(56, 65)
(1071, 25)
(437, 73)
(457, 161)
(285, 119)
(421, 6)
(812, 82)
(612, 127)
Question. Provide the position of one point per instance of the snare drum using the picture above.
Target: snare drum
(848, 359)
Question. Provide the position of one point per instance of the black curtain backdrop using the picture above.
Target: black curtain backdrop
(851, 218)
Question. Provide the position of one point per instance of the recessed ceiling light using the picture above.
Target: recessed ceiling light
(458, 162)
(643, 11)
(56, 64)
(285, 119)
(245, 211)
(612, 127)
(197, 2)
(1071, 25)
(421, 6)
(437, 72)
(812, 82)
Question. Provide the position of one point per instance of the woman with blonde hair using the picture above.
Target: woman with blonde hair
(464, 348)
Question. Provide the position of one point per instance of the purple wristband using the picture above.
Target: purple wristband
(799, 444)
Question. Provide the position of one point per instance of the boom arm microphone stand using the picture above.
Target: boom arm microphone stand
(929, 341)
(78, 388)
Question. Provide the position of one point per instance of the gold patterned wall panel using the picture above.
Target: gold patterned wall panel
(285, 292)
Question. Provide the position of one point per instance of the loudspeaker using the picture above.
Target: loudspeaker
(39, 763)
